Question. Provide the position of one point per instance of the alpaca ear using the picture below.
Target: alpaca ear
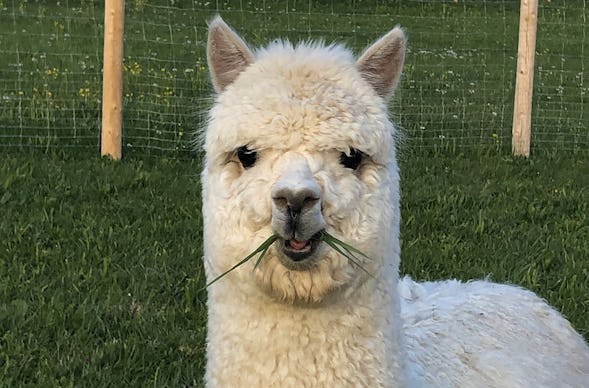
(227, 54)
(381, 64)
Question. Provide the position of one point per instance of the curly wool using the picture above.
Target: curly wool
(327, 323)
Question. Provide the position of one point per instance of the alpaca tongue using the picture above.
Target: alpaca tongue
(298, 245)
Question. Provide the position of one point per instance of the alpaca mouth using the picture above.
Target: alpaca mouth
(298, 251)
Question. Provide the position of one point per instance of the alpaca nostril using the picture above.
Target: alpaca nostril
(295, 201)
(280, 202)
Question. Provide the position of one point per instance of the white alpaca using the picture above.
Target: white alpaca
(299, 141)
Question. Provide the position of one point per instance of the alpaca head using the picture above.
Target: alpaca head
(299, 141)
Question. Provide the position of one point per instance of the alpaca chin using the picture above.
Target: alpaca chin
(326, 277)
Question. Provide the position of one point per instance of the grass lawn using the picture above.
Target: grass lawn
(99, 272)
(100, 266)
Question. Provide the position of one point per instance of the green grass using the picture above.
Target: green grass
(514, 220)
(99, 272)
(100, 262)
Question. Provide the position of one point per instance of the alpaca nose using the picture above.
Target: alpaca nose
(293, 201)
(296, 207)
(296, 212)
(296, 200)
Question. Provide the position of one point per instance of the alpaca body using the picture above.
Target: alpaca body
(484, 334)
(298, 143)
(478, 334)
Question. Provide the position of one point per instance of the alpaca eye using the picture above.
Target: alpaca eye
(351, 161)
(246, 157)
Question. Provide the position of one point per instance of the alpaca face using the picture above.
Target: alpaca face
(299, 142)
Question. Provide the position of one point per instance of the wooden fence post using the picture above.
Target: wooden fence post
(112, 79)
(524, 83)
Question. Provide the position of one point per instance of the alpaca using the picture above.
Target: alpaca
(299, 141)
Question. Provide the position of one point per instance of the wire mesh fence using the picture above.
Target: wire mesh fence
(457, 91)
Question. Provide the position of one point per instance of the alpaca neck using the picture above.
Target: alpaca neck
(351, 342)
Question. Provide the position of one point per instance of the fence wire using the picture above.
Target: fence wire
(457, 90)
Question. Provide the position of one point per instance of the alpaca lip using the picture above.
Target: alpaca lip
(297, 251)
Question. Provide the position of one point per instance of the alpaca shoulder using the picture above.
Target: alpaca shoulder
(481, 333)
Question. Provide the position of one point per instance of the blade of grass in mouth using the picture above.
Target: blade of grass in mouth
(339, 246)
(345, 250)
(263, 248)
